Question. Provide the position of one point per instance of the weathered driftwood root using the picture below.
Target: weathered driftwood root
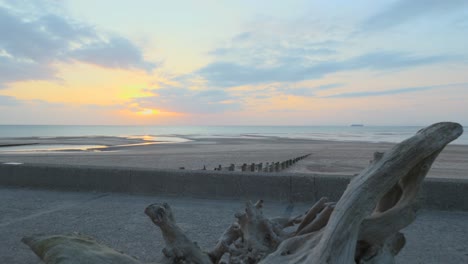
(363, 227)
(74, 249)
(365, 224)
(248, 240)
(179, 248)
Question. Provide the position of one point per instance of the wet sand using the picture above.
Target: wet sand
(327, 157)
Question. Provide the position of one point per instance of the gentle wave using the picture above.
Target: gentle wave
(182, 133)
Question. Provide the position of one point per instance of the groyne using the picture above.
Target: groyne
(259, 167)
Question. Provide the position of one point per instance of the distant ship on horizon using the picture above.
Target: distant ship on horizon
(357, 125)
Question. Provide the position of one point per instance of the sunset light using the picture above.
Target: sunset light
(203, 105)
(262, 63)
(148, 112)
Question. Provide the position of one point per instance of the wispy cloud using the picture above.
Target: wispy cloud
(328, 86)
(403, 11)
(270, 42)
(116, 52)
(392, 91)
(226, 74)
(25, 111)
(242, 36)
(303, 50)
(30, 45)
(17, 70)
(393, 60)
(185, 100)
(8, 101)
(304, 91)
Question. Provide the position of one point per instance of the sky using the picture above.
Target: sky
(209, 62)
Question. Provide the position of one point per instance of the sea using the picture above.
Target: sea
(176, 134)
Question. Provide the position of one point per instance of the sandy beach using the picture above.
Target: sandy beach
(327, 157)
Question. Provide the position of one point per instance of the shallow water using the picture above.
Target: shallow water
(50, 147)
(177, 133)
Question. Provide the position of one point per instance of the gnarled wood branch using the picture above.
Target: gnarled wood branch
(179, 248)
(363, 227)
(74, 249)
(370, 193)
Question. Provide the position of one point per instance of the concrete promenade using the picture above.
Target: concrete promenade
(108, 204)
(436, 193)
(118, 220)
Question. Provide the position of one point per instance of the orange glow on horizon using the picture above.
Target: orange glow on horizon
(148, 111)
(81, 83)
(135, 115)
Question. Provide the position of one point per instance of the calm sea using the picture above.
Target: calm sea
(338, 133)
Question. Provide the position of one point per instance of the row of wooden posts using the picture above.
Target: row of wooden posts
(261, 167)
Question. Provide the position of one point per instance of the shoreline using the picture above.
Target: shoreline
(327, 157)
(367, 133)
(110, 140)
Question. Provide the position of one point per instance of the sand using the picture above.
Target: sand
(327, 157)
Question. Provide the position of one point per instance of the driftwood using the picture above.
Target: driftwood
(74, 249)
(362, 227)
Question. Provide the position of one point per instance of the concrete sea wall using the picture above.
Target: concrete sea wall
(440, 194)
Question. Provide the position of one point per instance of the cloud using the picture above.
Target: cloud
(328, 86)
(117, 52)
(270, 43)
(36, 7)
(403, 11)
(219, 52)
(65, 29)
(273, 53)
(242, 36)
(393, 60)
(184, 100)
(19, 111)
(12, 70)
(8, 101)
(461, 23)
(392, 91)
(226, 74)
(293, 50)
(304, 91)
(30, 45)
(27, 40)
